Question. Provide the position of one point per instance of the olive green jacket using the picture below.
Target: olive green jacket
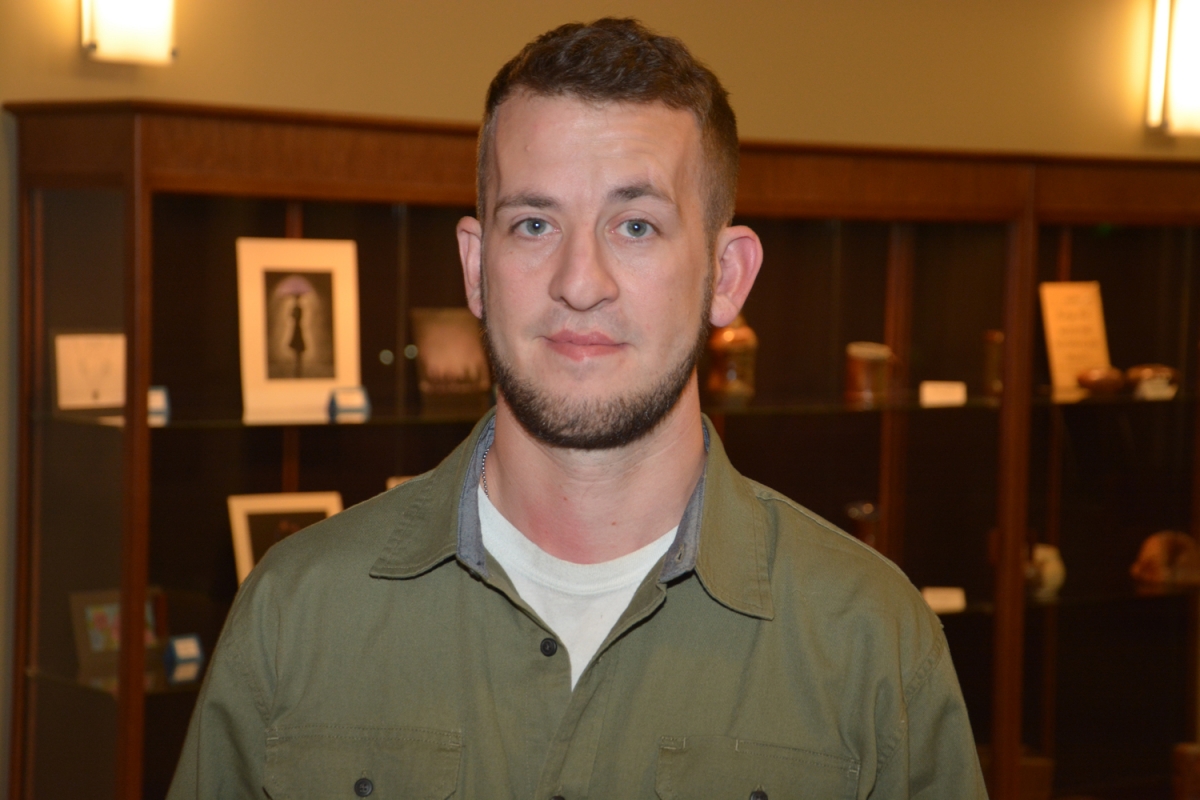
(383, 653)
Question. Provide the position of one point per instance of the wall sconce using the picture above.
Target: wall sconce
(1174, 96)
(130, 31)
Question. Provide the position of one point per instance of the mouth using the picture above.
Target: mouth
(579, 346)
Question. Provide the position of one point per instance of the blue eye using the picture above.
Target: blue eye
(636, 228)
(534, 227)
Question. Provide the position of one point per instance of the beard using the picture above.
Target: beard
(599, 423)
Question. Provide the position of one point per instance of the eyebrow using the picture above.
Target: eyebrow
(526, 200)
(635, 191)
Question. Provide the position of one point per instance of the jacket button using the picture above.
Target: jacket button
(758, 794)
(549, 647)
(363, 787)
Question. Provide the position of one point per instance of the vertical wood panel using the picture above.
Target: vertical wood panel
(136, 539)
(1195, 521)
(1054, 475)
(893, 446)
(23, 720)
(1194, 604)
(401, 362)
(1013, 504)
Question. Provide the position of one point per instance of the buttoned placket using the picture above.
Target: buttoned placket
(567, 767)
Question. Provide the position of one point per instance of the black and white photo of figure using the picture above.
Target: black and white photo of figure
(299, 324)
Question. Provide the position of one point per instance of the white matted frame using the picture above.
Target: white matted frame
(298, 324)
(260, 520)
(89, 370)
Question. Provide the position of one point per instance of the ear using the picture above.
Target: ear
(739, 254)
(470, 253)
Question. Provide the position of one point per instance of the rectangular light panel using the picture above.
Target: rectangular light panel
(130, 31)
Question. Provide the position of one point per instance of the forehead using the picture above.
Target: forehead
(538, 137)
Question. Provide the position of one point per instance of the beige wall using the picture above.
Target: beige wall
(1062, 76)
(1046, 76)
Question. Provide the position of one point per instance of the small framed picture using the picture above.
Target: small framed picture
(96, 620)
(298, 326)
(260, 520)
(89, 370)
(450, 357)
(452, 369)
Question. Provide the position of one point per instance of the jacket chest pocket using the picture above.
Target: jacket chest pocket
(722, 768)
(327, 761)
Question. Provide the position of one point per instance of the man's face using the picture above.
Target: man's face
(596, 268)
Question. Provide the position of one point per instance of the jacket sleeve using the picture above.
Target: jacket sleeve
(224, 755)
(932, 754)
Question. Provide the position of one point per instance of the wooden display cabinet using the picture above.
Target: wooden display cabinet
(128, 216)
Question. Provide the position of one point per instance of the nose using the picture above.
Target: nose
(583, 279)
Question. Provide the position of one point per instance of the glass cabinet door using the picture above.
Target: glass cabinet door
(1110, 658)
(950, 462)
(821, 286)
(76, 512)
(406, 257)
(916, 479)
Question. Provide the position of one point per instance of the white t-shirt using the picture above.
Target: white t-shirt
(580, 602)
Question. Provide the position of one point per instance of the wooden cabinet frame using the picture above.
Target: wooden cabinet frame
(145, 147)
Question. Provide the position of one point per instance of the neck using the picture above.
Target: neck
(589, 506)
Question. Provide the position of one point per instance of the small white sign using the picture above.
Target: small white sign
(945, 599)
(90, 370)
(158, 406)
(349, 404)
(936, 394)
(186, 647)
(1076, 340)
(185, 672)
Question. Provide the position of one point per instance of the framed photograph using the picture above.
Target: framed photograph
(96, 621)
(89, 370)
(450, 357)
(452, 369)
(298, 325)
(260, 520)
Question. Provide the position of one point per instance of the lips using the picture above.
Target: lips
(577, 346)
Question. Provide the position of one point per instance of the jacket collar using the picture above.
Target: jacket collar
(723, 534)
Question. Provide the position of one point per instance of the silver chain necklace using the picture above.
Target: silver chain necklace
(483, 471)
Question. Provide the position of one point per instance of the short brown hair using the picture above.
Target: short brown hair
(620, 60)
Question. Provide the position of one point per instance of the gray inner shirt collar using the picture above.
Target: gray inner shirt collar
(680, 559)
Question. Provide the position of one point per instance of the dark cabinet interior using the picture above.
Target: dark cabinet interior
(1097, 682)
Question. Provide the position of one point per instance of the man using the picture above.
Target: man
(585, 599)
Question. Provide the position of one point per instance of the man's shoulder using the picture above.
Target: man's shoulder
(828, 571)
(801, 531)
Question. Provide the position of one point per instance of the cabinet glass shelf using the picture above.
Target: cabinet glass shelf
(1047, 397)
(156, 683)
(1083, 600)
(769, 408)
(798, 408)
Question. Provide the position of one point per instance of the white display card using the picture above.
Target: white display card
(1076, 340)
(89, 369)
